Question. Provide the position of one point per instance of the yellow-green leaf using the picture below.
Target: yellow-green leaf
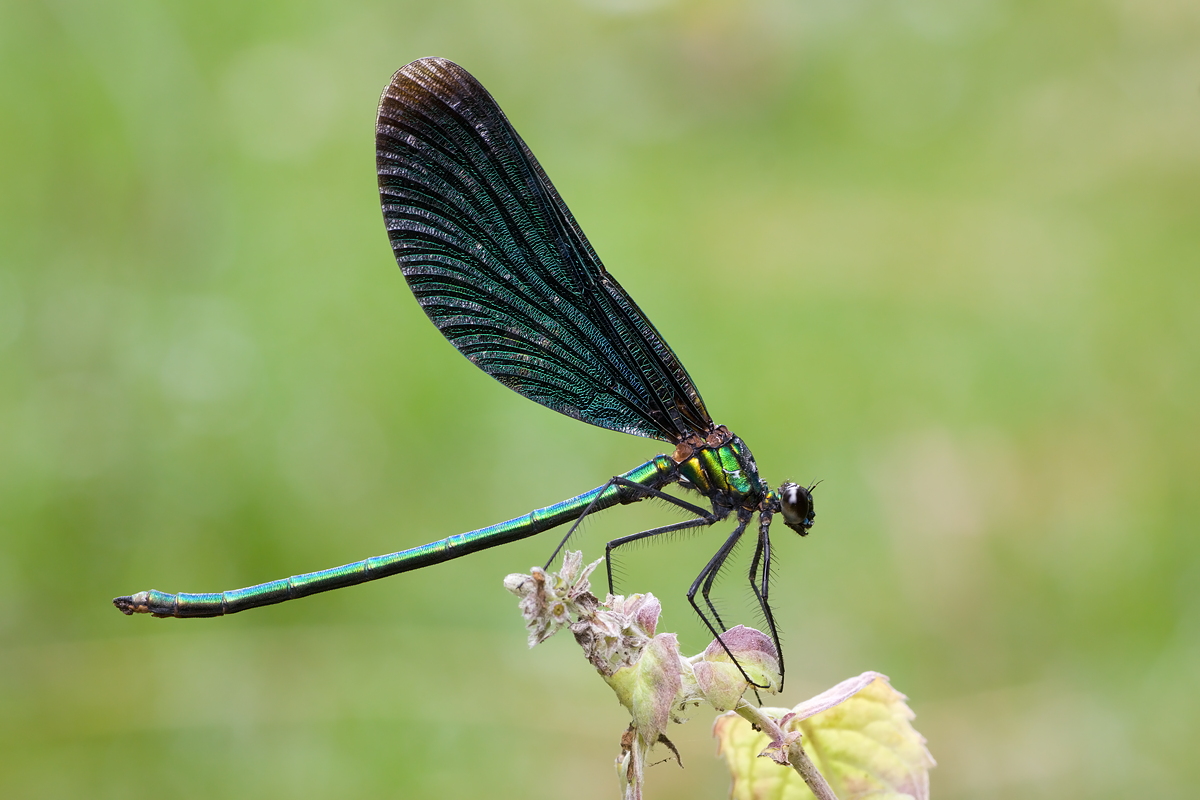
(858, 734)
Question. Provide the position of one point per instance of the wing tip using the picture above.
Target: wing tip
(423, 73)
(414, 84)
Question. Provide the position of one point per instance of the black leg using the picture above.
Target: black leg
(706, 519)
(649, 491)
(703, 584)
(714, 568)
(754, 563)
(762, 588)
(575, 524)
(639, 493)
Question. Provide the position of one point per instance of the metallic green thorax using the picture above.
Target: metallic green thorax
(725, 472)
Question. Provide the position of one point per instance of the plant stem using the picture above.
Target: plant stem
(795, 753)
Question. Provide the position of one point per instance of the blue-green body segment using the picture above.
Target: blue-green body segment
(653, 474)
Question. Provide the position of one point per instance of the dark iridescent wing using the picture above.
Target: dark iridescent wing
(502, 268)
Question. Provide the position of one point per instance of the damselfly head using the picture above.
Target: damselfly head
(796, 505)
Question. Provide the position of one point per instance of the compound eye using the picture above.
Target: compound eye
(796, 504)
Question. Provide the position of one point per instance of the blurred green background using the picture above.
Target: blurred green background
(944, 256)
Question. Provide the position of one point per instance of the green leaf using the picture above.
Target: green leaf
(858, 734)
(648, 687)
